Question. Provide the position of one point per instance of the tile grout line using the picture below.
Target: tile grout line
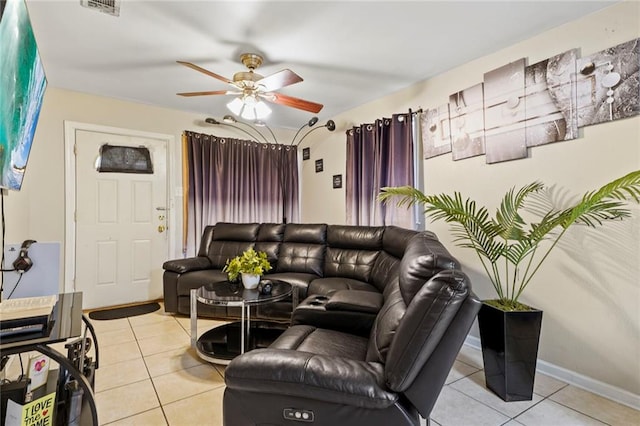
(573, 409)
(155, 390)
(504, 414)
(131, 326)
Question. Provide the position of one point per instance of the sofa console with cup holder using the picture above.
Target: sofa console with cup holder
(340, 272)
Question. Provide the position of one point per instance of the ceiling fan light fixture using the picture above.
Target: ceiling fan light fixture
(248, 113)
(229, 119)
(261, 110)
(249, 108)
(253, 89)
(235, 106)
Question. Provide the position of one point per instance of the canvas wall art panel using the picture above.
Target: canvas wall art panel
(608, 84)
(466, 110)
(504, 113)
(550, 100)
(436, 136)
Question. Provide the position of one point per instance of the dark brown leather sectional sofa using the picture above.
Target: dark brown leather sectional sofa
(319, 259)
(383, 315)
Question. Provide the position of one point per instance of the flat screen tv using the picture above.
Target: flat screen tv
(22, 86)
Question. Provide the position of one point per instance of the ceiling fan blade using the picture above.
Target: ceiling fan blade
(214, 92)
(204, 71)
(279, 98)
(279, 80)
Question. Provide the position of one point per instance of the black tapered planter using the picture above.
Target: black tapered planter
(510, 350)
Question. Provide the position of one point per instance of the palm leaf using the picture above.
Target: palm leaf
(508, 217)
(507, 236)
(606, 203)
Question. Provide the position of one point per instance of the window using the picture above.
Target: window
(124, 159)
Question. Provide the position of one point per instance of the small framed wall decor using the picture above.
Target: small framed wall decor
(306, 153)
(319, 166)
(337, 181)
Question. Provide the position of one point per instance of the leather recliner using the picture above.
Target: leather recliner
(331, 377)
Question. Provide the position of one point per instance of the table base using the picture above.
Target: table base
(221, 344)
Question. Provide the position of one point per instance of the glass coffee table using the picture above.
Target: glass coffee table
(223, 343)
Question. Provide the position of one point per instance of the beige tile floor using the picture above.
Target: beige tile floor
(149, 375)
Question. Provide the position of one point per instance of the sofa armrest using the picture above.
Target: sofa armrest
(355, 301)
(181, 266)
(303, 374)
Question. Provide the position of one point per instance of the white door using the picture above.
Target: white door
(121, 238)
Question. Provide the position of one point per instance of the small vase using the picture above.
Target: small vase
(250, 281)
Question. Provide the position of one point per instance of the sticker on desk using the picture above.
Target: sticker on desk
(34, 413)
(38, 371)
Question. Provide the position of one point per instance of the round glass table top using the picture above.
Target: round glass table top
(234, 294)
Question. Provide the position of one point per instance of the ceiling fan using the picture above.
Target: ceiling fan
(251, 87)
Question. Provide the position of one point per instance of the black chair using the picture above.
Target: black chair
(330, 377)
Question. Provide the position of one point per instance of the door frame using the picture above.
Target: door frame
(70, 128)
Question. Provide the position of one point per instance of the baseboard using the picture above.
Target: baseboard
(584, 382)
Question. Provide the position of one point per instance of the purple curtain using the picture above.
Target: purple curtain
(234, 180)
(378, 155)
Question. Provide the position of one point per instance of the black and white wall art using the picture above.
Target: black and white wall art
(607, 83)
(550, 100)
(466, 111)
(436, 135)
(518, 106)
(504, 113)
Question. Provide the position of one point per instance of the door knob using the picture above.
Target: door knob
(161, 228)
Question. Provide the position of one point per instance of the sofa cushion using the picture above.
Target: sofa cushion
(427, 318)
(311, 377)
(321, 341)
(314, 233)
(230, 240)
(268, 240)
(386, 323)
(299, 279)
(349, 263)
(385, 267)
(424, 257)
(327, 286)
(394, 240)
(221, 251)
(355, 237)
(271, 232)
(301, 257)
(205, 242)
(271, 249)
(235, 231)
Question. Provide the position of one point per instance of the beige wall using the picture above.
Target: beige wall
(589, 289)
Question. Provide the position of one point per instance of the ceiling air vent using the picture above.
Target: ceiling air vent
(110, 7)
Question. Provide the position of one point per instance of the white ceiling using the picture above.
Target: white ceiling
(347, 52)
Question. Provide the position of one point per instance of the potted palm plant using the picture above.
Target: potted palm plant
(510, 251)
(250, 265)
